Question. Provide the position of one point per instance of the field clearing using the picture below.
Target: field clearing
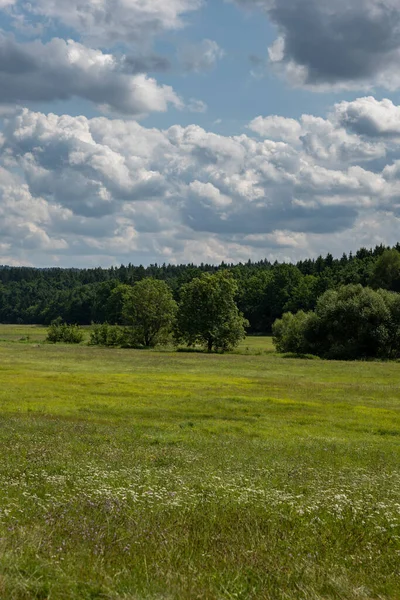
(38, 333)
(156, 475)
(22, 333)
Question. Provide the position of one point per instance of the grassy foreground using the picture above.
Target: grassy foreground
(144, 475)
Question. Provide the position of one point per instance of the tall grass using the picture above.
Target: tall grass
(130, 475)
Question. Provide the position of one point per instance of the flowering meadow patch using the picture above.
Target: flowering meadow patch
(130, 475)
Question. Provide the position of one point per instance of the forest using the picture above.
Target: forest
(265, 290)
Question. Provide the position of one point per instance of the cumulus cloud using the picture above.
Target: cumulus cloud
(25, 220)
(111, 188)
(347, 44)
(200, 57)
(370, 117)
(331, 144)
(276, 128)
(105, 22)
(326, 140)
(63, 69)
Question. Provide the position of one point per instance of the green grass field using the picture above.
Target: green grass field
(137, 475)
(22, 333)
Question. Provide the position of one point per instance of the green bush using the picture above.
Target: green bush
(289, 333)
(61, 332)
(107, 335)
(349, 323)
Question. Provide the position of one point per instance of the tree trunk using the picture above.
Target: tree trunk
(210, 344)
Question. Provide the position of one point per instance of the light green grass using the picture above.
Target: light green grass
(256, 345)
(145, 475)
(22, 333)
(37, 334)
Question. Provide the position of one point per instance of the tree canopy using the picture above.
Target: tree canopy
(150, 309)
(386, 271)
(348, 323)
(208, 313)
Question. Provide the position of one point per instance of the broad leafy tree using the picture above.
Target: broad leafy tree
(115, 303)
(150, 311)
(386, 273)
(304, 296)
(208, 314)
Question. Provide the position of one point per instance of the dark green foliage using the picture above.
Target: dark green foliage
(61, 332)
(349, 323)
(150, 310)
(252, 296)
(208, 314)
(115, 303)
(101, 308)
(304, 295)
(352, 322)
(265, 290)
(392, 301)
(386, 272)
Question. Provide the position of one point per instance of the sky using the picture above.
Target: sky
(179, 131)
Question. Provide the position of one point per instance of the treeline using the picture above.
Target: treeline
(265, 291)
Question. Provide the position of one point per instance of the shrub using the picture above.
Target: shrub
(61, 332)
(351, 322)
(289, 333)
(348, 323)
(107, 335)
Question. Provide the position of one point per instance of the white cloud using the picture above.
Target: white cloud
(25, 220)
(63, 69)
(200, 57)
(105, 22)
(329, 143)
(209, 195)
(276, 128)
(369, 117)
(78, 187)
(197, 106)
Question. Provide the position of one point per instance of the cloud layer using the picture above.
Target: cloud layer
(105, 22)
(107, 190)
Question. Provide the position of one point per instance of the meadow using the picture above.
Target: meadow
(130, 475)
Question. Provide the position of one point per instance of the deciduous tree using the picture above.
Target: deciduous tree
(208, 313)
(150, 310)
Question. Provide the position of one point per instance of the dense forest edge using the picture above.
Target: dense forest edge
(265, 290)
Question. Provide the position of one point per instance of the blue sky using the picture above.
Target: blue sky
(235, 90)
(197, 130)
